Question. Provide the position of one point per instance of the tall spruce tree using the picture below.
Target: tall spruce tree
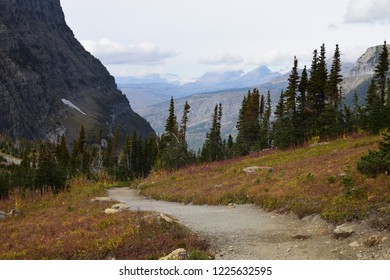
(248, 123)
(265, 126)
(381, 72)
(212, 149)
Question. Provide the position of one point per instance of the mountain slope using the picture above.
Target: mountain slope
(359, 77)
(49, 84)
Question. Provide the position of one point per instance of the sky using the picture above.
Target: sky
(191, 37)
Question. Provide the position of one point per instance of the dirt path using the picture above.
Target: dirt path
(248, 232)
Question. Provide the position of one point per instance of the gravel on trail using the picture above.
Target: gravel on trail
(248, 232)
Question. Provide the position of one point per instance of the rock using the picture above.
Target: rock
(166, 218)
(179, 254)
(111, 211)
(354, 244)
(49, 82)
(120, 206)
(3, 215)
(254, 169)
(17, 212)
(372, 241)
(101, 199)
(343, 231)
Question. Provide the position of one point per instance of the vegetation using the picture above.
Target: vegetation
(69, 226)
(291, 180)
(377, 162)
(334, 179)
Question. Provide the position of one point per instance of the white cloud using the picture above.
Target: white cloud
(275, 58)
(368, 11)
(222, 59)
(111, 52)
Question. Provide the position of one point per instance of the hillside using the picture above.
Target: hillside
(49, 84)
(320, 178)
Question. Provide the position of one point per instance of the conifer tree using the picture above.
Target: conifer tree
(213, 147)
(280, 129)
(381, 71)
(248, 123)
(265, 130)
(374, 110)
(291, 92)
(171, 125)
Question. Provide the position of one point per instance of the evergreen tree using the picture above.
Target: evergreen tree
(171, 125)
(265, 126)
(184, 120)
(174, 151)
(248, 123)
(335, 78)
(280, 129)
(381, 71)
(374, 110)
(292, 88)
(213, 147)
(331, 118)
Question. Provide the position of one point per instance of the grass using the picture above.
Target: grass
(69, 226)
(314, 179)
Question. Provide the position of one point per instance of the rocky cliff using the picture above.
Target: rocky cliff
(49, 84)
(359, 77)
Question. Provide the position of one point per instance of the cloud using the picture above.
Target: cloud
(368, 11)
(111, 52)
(223, 59)
(273, 57)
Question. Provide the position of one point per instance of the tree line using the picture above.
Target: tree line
(311, 108)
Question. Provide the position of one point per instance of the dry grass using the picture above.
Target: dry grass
(69, 226)
(306, 180)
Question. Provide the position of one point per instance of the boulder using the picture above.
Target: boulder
(179, 254)
(166, 218)
(120, 206)
(3, 215)
(344, 231)
(101, 199)
(111, 211)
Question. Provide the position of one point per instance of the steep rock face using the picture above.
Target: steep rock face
(49, 84)
(359, 77)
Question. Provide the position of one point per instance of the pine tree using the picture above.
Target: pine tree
(280, 129)
(248, 123)
(312, 87)
(171, 125)
(174, 151)
(265, 131)
(331, 118)
(381, 71)
(374, 110)
(184, 120)
(213, 147)
(291, 92)
(302, 88)
(335, 78)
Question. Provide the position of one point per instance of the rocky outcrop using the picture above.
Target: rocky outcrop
(359, 77)
(179, 254)
(49, 84)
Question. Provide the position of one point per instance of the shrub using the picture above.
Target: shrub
(377, 162)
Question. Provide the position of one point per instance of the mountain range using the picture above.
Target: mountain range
(153, 89)
(49, 84)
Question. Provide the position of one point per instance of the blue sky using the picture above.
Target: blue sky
(191, 37)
